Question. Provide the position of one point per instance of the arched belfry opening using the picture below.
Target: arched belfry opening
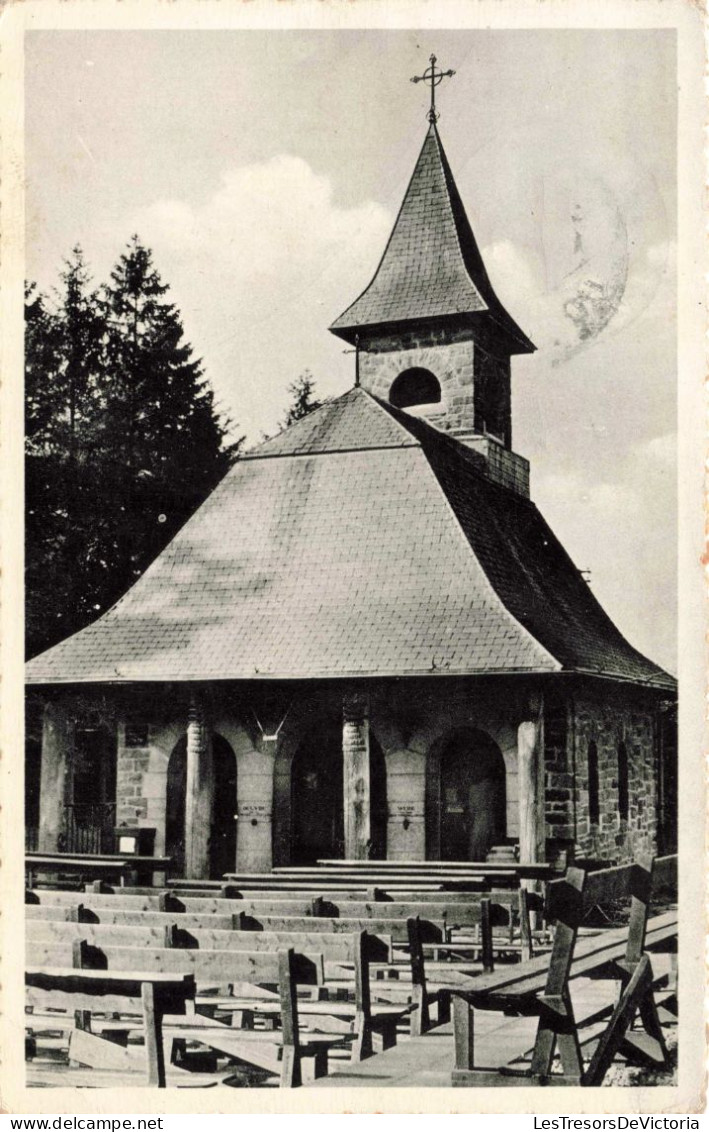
(415, 386)
(222, 835)
(466, 796)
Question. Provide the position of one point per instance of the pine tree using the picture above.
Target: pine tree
(303, 399)
(64, 348)
(123, 440)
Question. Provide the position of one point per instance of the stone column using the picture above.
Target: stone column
(530, 802)
(199, 794)
(356, 799)
(254, 830)
(56, 755)
(406, 800)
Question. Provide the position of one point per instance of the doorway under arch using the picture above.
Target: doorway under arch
(222, 839)
(317, 806)
(466, 797)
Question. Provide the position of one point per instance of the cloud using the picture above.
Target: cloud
(620, 527)
(259, 269)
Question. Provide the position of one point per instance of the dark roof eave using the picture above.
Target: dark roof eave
(651, 683)
(517, 340)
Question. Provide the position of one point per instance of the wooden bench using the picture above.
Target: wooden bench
(370, 1019)
(333, 946)
(538, 870)
(462, 912)
(433, 932)
(156, 994)
(79, 867)
(472, 879)
(85, 913)
(159, 901)
(241, 970)
(540, 987)
(90, 867)
(274, 976)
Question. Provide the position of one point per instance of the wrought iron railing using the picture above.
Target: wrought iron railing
(88, 827)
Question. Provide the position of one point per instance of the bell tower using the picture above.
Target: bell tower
(431, 336)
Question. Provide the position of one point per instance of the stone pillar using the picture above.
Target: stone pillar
(530, 803)
(406, 800)
(56, 755)
(355, 752)
(254, 830)
(199, 793)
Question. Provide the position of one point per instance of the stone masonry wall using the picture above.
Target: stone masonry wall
(131, 770)
(451, 361)
(608, 724)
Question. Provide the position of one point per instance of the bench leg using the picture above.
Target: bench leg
(384, 1037)
(290, 1068)
(557, 1030)
(444, 1007)
(244, 1020)
(315, 1066)
(420, 1016)
(155, 1053)
(636, 992)
(463, 1027)
(362, 1045)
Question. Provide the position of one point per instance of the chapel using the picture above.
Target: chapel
(367, 642)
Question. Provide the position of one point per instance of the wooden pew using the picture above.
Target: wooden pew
(89, 866)
(458, 913)
(168, 902)
(209, 966)
(84, 913)
(473, 880)
(309, 892)
(269, 885)
(362, 1017)
(433, 932)
(540, 988)
(284, 1052)
(369, 1019)
(87, 913)
(156, 994)
(537, 870)
(335, 947)
(93, 868)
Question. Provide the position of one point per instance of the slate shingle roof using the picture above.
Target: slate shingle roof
(431, 267)
(319, 557)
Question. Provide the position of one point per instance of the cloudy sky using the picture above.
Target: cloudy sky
(265, 170)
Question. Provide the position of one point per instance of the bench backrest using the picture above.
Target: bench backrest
(259, 968)
(84, 913)
(169, 902)
(571, 899)
(460, 913)
(103, 987)
(174, 935)
(432, 932)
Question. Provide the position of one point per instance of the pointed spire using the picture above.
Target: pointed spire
(431, 267)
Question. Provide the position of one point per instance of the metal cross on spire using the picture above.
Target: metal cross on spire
(433, 78)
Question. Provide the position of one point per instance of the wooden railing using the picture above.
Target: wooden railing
(88, 827)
